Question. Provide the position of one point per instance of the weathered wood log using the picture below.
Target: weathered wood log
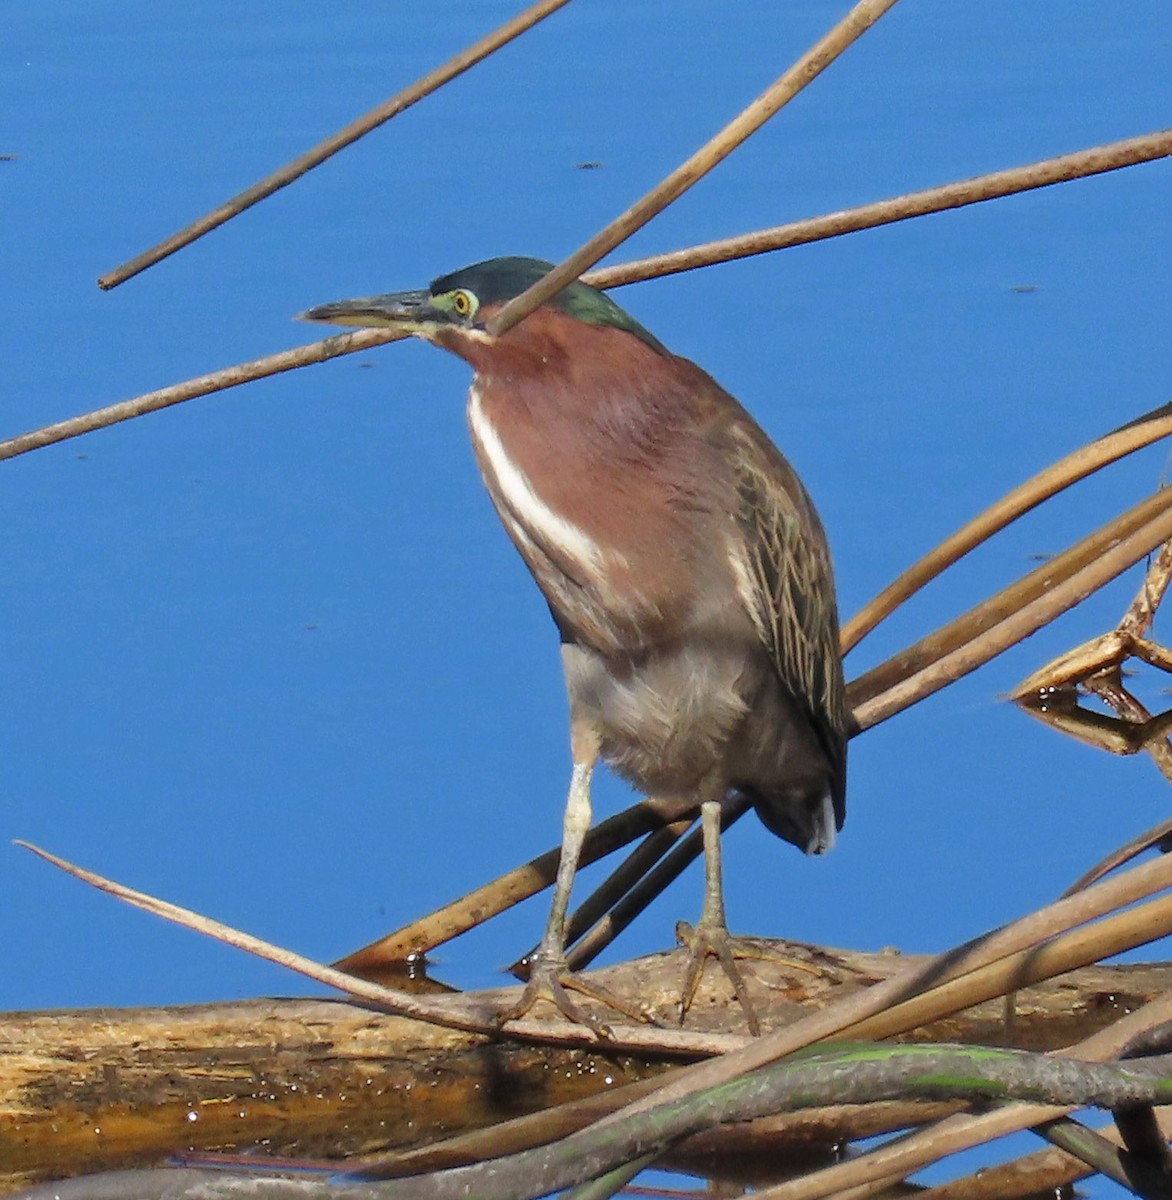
(98, 1089)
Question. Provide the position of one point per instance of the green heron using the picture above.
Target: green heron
(683, 563)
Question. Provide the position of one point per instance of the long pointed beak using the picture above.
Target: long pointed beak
(408, 311)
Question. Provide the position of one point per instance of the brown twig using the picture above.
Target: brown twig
(364, 339)
(217, 381)
(1132, 715)
(624, 877)
(898, 1158)
(1078, 165)
(1130, 850)
(403, 1003)
(860, 18)
(344, 137)
(1051, 694)
(1054, 479)
(1013, 614)
(451, 1012)
(1064, 952)
(507, 890)
(1141, 612)
(1042, 1173)
(1110, 649)
(1020, 936)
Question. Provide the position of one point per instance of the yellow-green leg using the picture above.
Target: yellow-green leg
(711, 936)
(549, 978)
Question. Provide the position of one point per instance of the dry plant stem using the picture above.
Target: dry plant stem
(615, 1181)
(1029, 495)
(338, 141)
(1092, 1149)
(1108, 686)
(1097, 667)
(1122, 856)
(1031, 1174)
(1110, 649)
(401, 1003)
(217, 381)
(1072, 667)
(1013, 614)
(509, 889)
(1078, 165)
(364, 339)
(1020, 936)
(1142, 610)
(1077, 947)
(962, 1132)
(468, 1016)
(860, 18)
(608, 927)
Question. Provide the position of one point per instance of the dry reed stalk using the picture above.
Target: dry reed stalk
(896, 1159)
(1043, 1172)
(856, 22)
(507, 890)
(1056, 478)
(364, 339)
(1013, 614)
(339, 141)
(1078, 165)
(202, 385)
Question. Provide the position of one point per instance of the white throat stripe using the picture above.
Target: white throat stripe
(534, 515)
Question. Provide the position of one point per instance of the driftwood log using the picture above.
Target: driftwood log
(95, 1090)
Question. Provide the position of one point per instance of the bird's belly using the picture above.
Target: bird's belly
(666, 723)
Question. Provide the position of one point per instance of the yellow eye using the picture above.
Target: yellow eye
(463, 304)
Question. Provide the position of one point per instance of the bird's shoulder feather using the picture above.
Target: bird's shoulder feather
(786, 576)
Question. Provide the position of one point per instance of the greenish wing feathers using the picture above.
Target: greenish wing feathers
(791, 583)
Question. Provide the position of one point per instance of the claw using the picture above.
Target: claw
(550, 979)
(712, 939)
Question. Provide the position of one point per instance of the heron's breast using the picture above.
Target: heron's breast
(566, 499)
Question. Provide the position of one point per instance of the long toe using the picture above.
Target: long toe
(710, 938)
(553, 981)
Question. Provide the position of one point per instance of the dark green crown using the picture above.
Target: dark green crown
(498, 280)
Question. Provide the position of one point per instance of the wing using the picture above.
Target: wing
(788, 586)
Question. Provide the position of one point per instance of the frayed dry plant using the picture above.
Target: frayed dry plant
(402, 1091)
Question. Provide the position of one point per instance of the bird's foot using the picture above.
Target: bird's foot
(550, 979)
(712, 938)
